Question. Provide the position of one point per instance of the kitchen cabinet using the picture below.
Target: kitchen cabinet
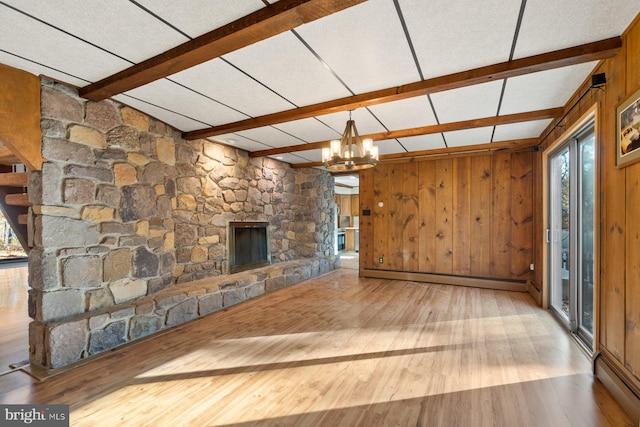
(355, 205)
(350, 241)
(344, 202)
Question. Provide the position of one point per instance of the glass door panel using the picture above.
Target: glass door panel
(560, 209)
(586, 149)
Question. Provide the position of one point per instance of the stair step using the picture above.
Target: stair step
(23, 219)
(17, 199)
(14, 179)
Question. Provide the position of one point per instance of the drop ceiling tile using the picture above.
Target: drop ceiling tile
(53, 48)
(222, 82)
(423, 142)
(405, 114)
(301, 156)
(309, 130)
(453, 36)
(38, 69)
(118, 26)
(547, 27)
(238, 141)
(461, 138)
(270, 136)
(523, 130)
(365, 122)
(197, 17)
(286, 66)
(171, 96)
(178, 121)
(389, 146)
(365, 45)
(471, 102)
(545, 89)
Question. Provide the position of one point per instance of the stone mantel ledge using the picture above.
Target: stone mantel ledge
(73, 339)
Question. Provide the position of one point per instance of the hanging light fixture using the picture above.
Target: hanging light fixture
(350, 152)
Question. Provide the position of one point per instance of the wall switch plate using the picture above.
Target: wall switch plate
(531, 267)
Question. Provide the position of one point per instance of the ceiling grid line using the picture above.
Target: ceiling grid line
(523, 5)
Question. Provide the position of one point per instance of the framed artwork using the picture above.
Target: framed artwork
(628, 131)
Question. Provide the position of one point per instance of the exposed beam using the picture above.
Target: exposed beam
(560, 58)
(491, 146)
(264, 23)
(550, 113)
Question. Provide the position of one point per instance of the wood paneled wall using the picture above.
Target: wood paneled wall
(619, 288)
(466, 216)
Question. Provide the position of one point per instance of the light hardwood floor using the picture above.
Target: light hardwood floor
(343, 351)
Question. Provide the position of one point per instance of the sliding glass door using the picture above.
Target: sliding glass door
(571, 232)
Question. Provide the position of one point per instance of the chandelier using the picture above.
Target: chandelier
(350, 152)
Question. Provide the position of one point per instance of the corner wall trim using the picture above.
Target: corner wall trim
(474, 282)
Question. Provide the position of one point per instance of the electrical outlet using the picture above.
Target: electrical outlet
(381, 260)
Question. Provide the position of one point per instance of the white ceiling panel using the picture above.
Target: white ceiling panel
(38, 69)
(176, 98)
(509, 132)
(405, 114)
(547, 27)
(178, 121)
(365, 122)
(238, 141)
(461, 138)
(423, 142)
(452, 36)
(471, 102)
(222, 82)
(365, 45)
(305, 156)
(310, 130)
(270, 62)
(53, 48)
(118, 26)
(197, 17)
(389, 146)
(270, 136)
(546, 89)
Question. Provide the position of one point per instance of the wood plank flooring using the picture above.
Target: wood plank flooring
(343, 351)
(14, 317)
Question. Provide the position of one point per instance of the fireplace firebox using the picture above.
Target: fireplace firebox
(248, 246)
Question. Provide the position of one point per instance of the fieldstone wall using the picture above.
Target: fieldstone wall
(124, 209)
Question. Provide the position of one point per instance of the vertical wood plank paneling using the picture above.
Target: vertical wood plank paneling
(380, 214)
(632, 337)
(395, 244)
(461, 216)
(480, 212)
(444, 217)
(500, 216)
(366, 222)
(427, 209)
(612, 317)
(410, 214)
(520, 246)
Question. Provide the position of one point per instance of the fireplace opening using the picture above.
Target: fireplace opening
(248, 246)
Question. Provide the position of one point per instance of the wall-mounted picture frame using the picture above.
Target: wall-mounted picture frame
(628, 131)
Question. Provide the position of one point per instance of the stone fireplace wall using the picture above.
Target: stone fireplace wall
(125, 208)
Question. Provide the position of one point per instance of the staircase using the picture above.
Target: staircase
(14, 200)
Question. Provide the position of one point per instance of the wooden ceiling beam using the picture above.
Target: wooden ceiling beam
(560, 58)
(549, 113)
(491, 146)
(264, 23)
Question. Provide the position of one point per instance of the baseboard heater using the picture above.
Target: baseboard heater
(625, 394)
(474, 282)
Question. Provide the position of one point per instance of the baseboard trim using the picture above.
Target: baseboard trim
(474, 282)
(619, 389)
